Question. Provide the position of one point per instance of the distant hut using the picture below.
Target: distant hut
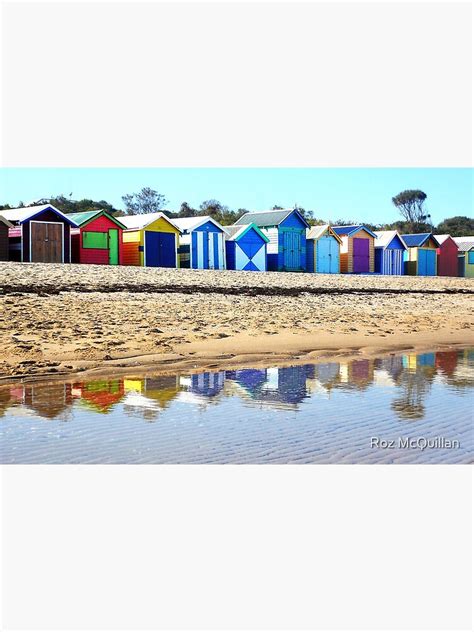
(357, 249)
(39, 234)
(98, 238)
(322, 250)
(389, 248)
(202, 243)
(420, 255)
(5, 225)
(246, 248)
(446, 256)
(286, 230)
(465, 256)
(150, 239)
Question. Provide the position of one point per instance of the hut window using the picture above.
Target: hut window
(470, 256)
(94, 240)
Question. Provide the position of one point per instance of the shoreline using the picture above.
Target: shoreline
(57, 321)
(302, 352)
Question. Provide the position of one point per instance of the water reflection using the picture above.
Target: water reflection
(408, 378)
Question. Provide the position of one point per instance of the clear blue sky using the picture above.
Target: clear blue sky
(361, 194)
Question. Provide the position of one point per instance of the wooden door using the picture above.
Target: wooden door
(46, 242)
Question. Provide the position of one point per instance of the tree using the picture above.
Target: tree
(458, 226)
(410, 205)
(219, 212)
(146, 201)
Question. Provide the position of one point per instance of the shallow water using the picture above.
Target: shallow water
(360, 411)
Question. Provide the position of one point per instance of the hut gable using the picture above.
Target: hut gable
(324, 230)
(357, 249)
(420, 240)
(389, 239)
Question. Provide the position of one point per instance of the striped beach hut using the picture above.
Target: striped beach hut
(150, 239)
(246, 248)
(446, 256)
(98, 238)
(286, 230)
(202, 243)
(465, 256)
(5, 225)
(389, 248)
(357, 249)
(39, 234)
(322, 250)
(420, 256)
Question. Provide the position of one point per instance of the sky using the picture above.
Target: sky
(359, 194)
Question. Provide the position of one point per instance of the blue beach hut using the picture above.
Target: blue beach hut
(389, 249)
(246, 248)
(322, 250)
(420, 256)
(286, 231)
(202, 243)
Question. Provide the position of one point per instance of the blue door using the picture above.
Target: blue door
(333, 256)
(323, 253)
(426, 262)
(160, 249)
(292, 249)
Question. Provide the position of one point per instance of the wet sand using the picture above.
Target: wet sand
(63, 319)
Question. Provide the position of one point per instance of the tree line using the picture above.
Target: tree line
(410, 204)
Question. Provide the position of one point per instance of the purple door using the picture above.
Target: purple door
(361, 255)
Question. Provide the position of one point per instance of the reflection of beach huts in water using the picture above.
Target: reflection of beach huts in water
(420, 255)
(4, 226)
(322, 250)
(146, 397)
(357, 249)
(283, 387)
(98, 238)
(201, 389)
(48, 401)
(99, 395)
(446, 362)
(202, 243)
(414, 361)
(286, 230)
(413, 385)
(446, 256)
(389, 249)
(40, 234)
(246, 248)
(357, 373)
(150, 239)
(465, 256)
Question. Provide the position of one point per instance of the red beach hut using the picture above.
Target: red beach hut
(98, 238)
(447, 256)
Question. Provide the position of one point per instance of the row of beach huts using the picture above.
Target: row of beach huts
(259, 241)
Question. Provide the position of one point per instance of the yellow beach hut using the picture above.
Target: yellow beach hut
(150, 239)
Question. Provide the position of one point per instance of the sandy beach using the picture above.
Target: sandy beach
(57, 320)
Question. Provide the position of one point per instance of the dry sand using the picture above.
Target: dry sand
(60, 319)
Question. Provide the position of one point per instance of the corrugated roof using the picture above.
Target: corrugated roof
(384, 237)
(464, 243)
(86, 216)
(235, 232)
(349, 230)
(23, 214)
(188, 224)
(415, 240)
(315, 232)
(141, 221)
(266, 218)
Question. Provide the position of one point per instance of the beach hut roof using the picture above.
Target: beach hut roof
(26, 213)
(464, 243)
(350, 230)
(315, 232)
(87, 216)
(236, 232)
(145, 219)
(268, 218)
(442, 238)
(188, 224)
(418, 239)
(4, 220)
(384, 237)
